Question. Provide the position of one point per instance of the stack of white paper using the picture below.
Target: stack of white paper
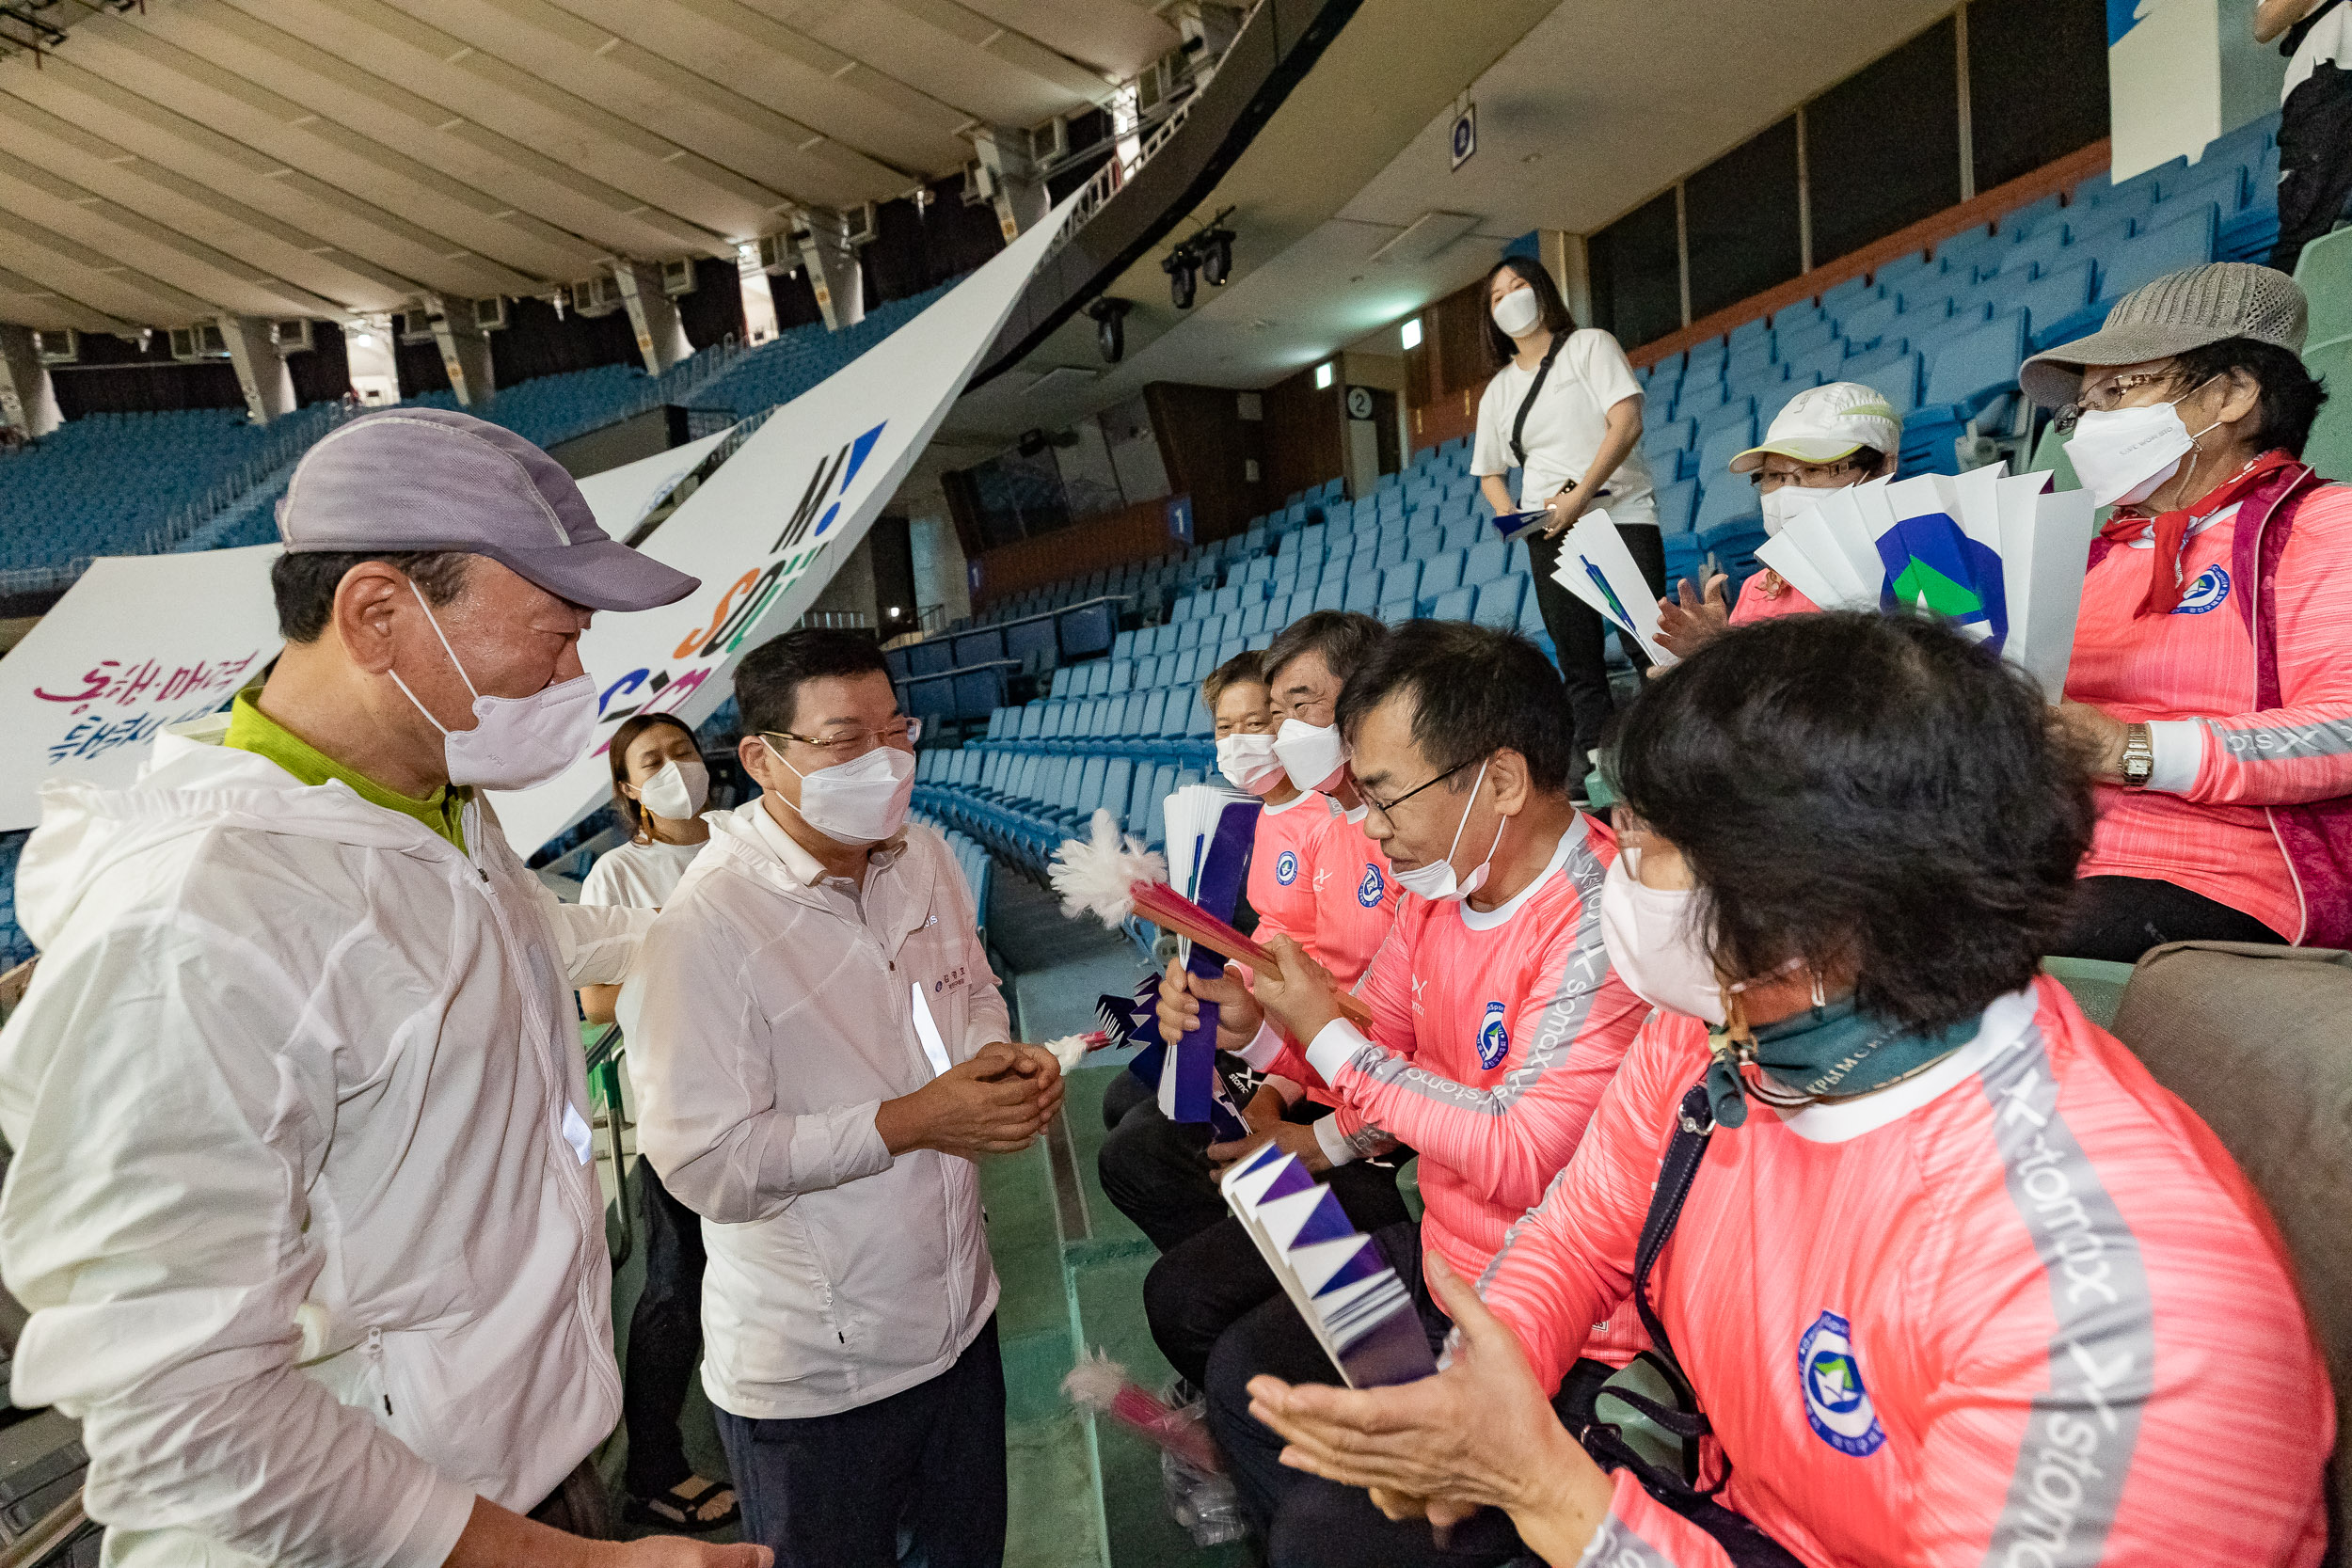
(1999, 556)
(1358, 1310)
(1595, 566)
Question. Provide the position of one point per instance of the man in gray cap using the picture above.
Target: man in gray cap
(2222, 740)
(302, 1203)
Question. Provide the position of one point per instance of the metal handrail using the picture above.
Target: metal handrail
(51, 1531)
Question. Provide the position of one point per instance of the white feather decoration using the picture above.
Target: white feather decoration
(1092, 874)
(1071, 1049)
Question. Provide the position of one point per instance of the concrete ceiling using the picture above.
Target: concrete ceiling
(1585, 109)
(336, 157)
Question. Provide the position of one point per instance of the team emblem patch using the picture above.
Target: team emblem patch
(1286, 867)
(1494, 1039)
(1835, 1401)
(2210, 589)
(1368, 892)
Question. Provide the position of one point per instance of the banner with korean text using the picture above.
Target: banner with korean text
(767, 530)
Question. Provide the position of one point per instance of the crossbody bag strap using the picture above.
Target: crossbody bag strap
(1518, 425)
(1695, 1124)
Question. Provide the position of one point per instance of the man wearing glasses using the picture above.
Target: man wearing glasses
(1497, 1021)
(819, 1052)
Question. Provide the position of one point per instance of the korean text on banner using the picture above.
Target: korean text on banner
(1595, 566)
(138, 643)
(767, 530)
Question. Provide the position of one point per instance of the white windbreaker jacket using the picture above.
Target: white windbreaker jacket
(770, 1018)
(300, 1202)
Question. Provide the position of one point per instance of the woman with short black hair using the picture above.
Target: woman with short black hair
(1565, 409)
(2212, 671)
(1952, 1280)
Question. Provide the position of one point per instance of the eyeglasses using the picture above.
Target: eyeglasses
(2107, 395)
(1842, 465)
(1386, 809)
(851, 744)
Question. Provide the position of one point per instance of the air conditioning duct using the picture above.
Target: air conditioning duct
(58, 346)
(597, 296)
(677, 277)
(291, 336)
(202, 341)
(778, 254)
(489, 315)
(412, 326)
(858, 224)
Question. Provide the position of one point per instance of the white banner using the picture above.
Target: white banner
(145, 641)
(138, 642)
(2164, 81)
(767, 530)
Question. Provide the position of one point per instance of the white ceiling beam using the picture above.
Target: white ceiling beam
(302, 259)
(98, 281)
(992, 37)
(495, 197)
(27, 303)
(113, 229)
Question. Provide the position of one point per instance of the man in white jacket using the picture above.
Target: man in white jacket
(301, 1202)
(819, 1052)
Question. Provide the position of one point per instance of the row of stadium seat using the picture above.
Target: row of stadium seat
(1022, 804)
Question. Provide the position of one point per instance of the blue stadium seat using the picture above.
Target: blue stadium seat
(1676, 505)
(1455, 604)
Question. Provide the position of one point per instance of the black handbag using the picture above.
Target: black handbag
(1745, 1544)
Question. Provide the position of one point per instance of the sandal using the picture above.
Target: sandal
(688, 1507)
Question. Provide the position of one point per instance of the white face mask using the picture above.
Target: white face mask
(1248, 763)
(1787, 502)
(1655, 944)
(1312, 754)
(2124, 455)
(1435, 881)
(855, 803)
(677, 792)
(1517, 312)
(516, 742)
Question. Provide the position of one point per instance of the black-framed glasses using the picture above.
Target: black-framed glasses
(1386, 808)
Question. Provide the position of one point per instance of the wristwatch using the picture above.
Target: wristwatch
(2140, 755)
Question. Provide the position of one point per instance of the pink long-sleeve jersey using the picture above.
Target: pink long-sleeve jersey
(1493, 1035)
(2210, 832)
(2022, 1309)
(1282, 869)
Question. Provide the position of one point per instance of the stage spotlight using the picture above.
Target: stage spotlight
(1110, 326)
(1182, 267)
(1217, 256)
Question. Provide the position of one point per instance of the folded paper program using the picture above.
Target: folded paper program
(1360, 1312)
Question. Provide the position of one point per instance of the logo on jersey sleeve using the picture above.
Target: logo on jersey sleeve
(1494, 1039)
(1368, 892)
(2207, 593)
(1835, 1401)
(1286, 867)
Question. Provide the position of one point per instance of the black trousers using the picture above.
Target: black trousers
(666, 1337)
(834, 1491)
(1579, 636)
(2119, 918)
(2314, 161)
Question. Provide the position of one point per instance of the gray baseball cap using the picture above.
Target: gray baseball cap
(2177, 313)
(433, 479)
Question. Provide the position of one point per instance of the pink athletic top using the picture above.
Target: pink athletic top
(2210, 834)
(1493, 1035)
(1282, 871)
(1355, 899)
(2022, 1309)
(1755, 605)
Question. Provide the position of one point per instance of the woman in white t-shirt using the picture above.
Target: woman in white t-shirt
(2315, 118)
(659, 787)
(1565, 409)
